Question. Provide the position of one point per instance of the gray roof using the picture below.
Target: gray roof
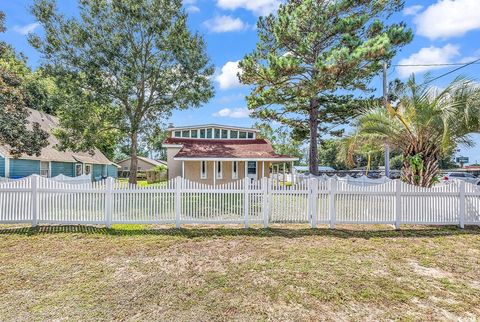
(50, 153)
(148, 160)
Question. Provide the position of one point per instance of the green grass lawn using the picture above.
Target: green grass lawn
(294, 273)
(144, 183)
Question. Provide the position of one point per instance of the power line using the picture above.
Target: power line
(433, 65)
(452, 71)
(462, 65)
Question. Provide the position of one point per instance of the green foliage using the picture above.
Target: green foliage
(427, 125)
(396, 162)
(417, 165)
(129, 63)
(282, 140)
(153, 141)
(328, 154)
(160, 167)
(14, 128)
(312, 48)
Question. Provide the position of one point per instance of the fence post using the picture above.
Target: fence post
(178, 201)
(266, 201)
(34, 183)
(398, 203)
(245, 200)
(109, 202)
(332, 185)
(461, 216)
(313, 197)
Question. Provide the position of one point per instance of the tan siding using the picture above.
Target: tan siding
(192, 171)
(144, 166)
(174, 166)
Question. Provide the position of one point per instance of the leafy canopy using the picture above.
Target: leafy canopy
(312, 48)
(131, 62)
(15, 130)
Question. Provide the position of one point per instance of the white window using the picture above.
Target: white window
(88, 169)
(203, 169)
(45, 169)
(234, 169)
(78, 169)
(219, 170)
(104, 171)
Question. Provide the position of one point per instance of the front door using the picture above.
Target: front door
(252, 170)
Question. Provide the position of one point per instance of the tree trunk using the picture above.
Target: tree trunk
(313, 124)
(425, 175)
(133, 158)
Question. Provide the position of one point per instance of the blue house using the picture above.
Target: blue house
(53, 162)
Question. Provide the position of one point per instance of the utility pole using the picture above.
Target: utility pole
(385, 101)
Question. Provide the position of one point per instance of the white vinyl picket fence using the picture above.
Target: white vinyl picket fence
(329, 201)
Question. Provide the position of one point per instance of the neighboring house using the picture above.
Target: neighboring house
(53, 162)
(143, 164)
(216, 154)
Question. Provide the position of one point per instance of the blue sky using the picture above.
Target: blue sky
(446, 31)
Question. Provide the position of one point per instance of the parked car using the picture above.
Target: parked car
(464, 176)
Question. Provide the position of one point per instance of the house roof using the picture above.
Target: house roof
(50, 153)
(148, 160)
(226, 149)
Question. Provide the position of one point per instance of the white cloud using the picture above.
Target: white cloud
(259, 7)
(425, 56)
(236, 113)
(25, 30)
(193, 9)
(228, 75)
(412, 10)
(225, 24)
(448, 18)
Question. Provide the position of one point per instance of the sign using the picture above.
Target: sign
(462, 159)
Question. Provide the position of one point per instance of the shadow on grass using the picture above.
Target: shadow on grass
(284, 232)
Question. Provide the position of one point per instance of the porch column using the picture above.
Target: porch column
(263, 169)
(246, 169)
(284, 178)
(183, 169)
(291, 172)
(7, 167)
(214, 173)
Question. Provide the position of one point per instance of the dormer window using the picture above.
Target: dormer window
(212, 131)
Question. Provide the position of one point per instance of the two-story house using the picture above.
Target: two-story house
(217, 154)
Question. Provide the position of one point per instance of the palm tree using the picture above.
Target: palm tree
(424, 124)
(358, 145)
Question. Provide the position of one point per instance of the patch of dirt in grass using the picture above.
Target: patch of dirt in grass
(429, 271)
